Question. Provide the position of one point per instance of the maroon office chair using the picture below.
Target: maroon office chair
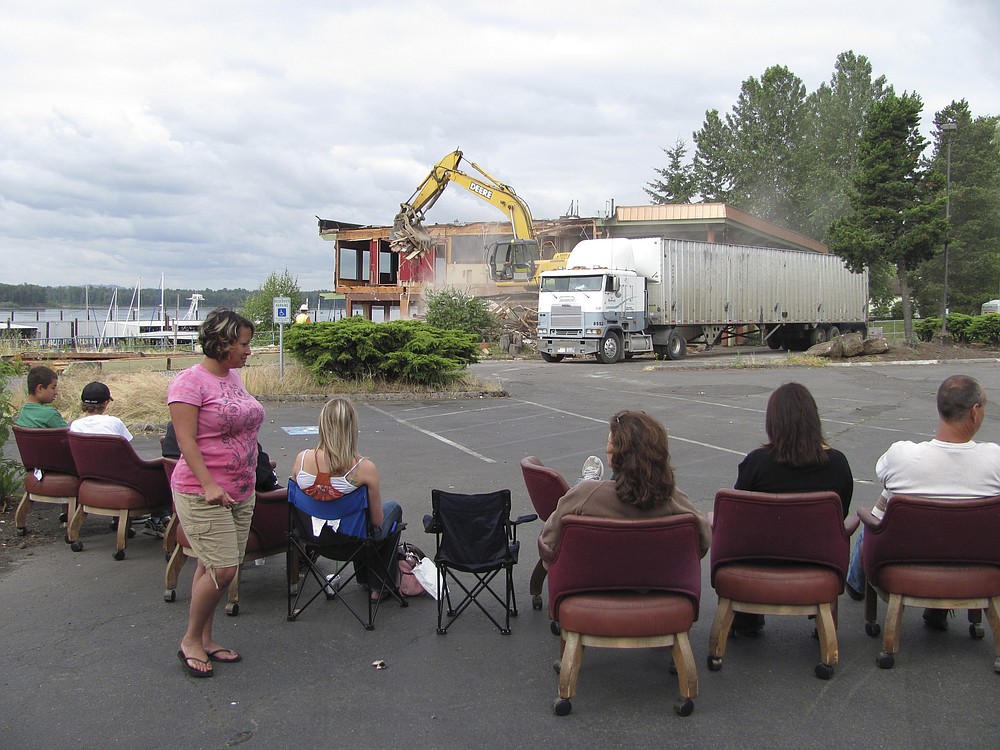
(779, 554)
(50, 473)
(115, 482)
(545, 487)
(268, 537)
(934, 553)
(626, 583)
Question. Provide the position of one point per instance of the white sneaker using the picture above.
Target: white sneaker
(593, 468)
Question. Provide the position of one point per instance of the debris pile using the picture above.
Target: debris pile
(518, 322)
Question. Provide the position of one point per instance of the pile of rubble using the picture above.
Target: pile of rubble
(518, 322)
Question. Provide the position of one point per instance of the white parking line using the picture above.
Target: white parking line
(434, 435)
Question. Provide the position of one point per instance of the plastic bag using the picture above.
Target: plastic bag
(426, 572)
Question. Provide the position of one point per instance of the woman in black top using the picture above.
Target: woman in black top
(796, 458)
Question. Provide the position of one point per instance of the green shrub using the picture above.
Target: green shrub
(984, 329)
(958, 326)
(925, 328)
(403, 350)
(452, 309)
(11, 471)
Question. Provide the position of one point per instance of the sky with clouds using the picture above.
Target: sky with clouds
(199, 140)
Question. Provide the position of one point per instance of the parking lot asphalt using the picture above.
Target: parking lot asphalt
(90, 642)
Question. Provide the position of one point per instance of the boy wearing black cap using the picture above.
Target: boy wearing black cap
(93, 403)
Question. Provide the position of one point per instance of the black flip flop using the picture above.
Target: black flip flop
(192, 672)
(212, 656)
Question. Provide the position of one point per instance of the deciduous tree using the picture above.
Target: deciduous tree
(259, 306)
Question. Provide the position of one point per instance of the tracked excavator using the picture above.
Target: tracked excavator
(515, 262)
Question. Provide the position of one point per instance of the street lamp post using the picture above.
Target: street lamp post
(950, 127)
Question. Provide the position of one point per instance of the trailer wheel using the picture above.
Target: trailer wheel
(817, 336)
(676, 346)
(775, 341)
(833, 333)
(610, 350)
(551, 357)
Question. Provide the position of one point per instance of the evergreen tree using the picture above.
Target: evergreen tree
(896, 216)
(974, 233)
(835, 123)
(676, 183)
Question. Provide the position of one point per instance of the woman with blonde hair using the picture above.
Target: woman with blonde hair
(335, 468)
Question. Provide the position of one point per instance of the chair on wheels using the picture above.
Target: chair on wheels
(626, 583)
(942, 554)
(268, 537)
(50, 473)
(350, 544)
(545, 487)
(115, 482)
(779, 554)
(474, 536)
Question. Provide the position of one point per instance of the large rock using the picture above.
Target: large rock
(876, 346)
(853, 344)
(831, 349)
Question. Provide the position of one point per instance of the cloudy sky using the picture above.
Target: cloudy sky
(200, 139)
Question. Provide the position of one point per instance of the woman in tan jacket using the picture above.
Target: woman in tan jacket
(642, 485)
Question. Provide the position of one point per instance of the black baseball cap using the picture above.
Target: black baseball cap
(95, 393)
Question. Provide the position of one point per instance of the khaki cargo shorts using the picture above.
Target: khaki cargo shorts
(218, 535)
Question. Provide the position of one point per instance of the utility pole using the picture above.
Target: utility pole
(950, 128)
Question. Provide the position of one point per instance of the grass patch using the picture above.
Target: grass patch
(805, 360)
(140, 398)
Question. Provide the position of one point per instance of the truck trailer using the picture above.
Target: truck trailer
(620, 297)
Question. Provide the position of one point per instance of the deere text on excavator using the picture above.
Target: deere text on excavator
(515, 262)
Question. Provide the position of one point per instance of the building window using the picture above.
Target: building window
(388, 267)
(354, 264)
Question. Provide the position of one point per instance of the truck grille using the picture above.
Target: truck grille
(567, 316)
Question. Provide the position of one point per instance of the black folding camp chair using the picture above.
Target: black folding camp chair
(474, 536)
(350, 544)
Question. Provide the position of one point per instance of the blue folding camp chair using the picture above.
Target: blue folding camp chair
(350, 543)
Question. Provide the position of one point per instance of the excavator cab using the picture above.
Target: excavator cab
(512, 261)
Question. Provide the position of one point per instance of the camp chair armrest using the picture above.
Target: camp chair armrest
(524, 519)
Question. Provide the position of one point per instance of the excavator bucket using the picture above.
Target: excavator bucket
(408, 236)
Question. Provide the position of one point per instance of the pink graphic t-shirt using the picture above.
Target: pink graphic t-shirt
(228, 421)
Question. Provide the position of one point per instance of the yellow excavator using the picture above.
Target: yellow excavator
(515, 262)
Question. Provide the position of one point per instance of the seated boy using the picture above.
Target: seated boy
(94, 401)
(43, 387)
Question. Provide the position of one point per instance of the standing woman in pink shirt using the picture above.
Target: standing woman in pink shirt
(216, 421)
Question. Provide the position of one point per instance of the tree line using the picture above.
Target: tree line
(848, 165)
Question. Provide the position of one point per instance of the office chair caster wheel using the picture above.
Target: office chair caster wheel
(684, 706)
(76, 546)
(557, 666)
(561, 706)
(714, 664)
(23, 531)
(63, 518)
(872, 629)
(536, 601)
(996, 665)
(885, 661)
(119, 554)
(170, 595)
(233, 609)
(129, 533)
(975, 630)
(823, 671)
(554, 627)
